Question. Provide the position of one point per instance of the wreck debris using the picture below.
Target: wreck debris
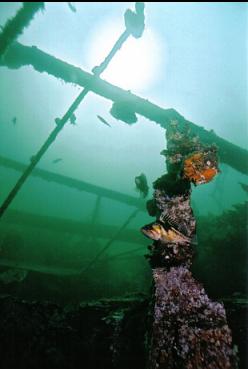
(121, 110)
(188, 329)
(135, 21)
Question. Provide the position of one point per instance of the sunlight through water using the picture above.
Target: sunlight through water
(136, 65)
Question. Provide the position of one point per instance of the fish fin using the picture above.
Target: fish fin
(166, 218)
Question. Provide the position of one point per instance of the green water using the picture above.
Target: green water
(198, 68)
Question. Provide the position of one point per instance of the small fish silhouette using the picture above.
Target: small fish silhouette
(14, 120)
(103, 120)
(57, 160)
(72, 7)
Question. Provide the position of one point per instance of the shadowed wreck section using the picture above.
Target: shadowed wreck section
(188, 330)
(104, 334)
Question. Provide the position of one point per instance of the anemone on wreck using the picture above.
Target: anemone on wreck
(200, 167)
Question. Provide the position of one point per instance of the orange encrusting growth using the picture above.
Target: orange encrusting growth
(198, 169)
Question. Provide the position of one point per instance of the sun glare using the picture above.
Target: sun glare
(136, 64)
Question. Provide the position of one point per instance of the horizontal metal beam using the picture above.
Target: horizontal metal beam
(70, 226)
(19, 55)
(75, 183)
(32, 267)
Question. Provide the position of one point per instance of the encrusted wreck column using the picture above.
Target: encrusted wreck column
(188, 330)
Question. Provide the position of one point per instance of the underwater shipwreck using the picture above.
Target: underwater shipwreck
(93, 275)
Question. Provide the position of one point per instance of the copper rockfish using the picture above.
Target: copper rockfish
(164, 233)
